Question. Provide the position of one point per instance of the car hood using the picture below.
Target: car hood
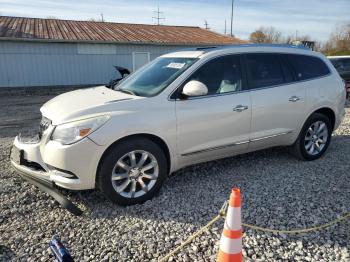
(82, 103)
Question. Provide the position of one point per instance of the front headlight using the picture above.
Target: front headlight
(74, 131)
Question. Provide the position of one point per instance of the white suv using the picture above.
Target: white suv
(184, 108)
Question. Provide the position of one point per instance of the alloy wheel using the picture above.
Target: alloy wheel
(135, 174)
(316, 138)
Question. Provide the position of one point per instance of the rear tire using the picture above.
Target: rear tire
(313, 139)
(132, 171)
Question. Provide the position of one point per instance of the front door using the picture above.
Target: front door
(217, 124)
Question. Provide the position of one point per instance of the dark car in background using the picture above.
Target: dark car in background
(342, 64)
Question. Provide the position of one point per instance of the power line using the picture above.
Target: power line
(158, 16)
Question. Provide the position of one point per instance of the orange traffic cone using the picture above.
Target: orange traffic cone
(231, 238)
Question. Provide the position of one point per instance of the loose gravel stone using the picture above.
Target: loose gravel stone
(278, 192)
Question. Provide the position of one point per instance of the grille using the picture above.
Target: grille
(44, 124)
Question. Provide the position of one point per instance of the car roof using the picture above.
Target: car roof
(274, 48)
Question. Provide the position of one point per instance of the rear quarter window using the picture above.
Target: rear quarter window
(307, 67)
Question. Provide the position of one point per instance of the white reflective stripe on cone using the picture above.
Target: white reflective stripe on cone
(233, 218)
(230, 246)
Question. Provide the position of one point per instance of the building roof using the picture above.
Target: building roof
(54, 30)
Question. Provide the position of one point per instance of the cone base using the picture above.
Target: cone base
(223, 257)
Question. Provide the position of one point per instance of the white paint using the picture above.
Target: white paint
(176, 65)
(233, 218)
(230, 246)
(189, 54)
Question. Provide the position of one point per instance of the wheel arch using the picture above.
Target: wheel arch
(328, 112)
(156, 139)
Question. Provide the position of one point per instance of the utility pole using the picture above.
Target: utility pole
(158, 16)
(225, 28)
(102, 20)
(232, 17)
(206, 25)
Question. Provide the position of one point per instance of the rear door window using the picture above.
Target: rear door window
(289, 74)
(265, 70)
(307, 67)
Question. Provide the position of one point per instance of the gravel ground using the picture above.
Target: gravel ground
(278, 192)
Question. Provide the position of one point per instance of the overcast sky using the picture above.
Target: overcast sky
(316, 18)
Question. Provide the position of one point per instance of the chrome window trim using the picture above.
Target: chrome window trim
(249, 89)
(213, 95)
(290, 83)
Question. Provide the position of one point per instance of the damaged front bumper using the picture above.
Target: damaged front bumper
(26, 159)
(68, 166)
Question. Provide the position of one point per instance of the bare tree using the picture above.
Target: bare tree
(273, 35)
(339, 40)
(95, 20)
(265, 35)
(304, 38)
(51, 17)
(288, 39)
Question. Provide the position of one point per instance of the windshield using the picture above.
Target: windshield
(154, 77)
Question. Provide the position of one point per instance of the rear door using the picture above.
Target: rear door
(278, 101)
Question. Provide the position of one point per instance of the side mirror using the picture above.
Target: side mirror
(195, 88)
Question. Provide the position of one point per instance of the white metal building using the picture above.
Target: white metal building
(50, 52)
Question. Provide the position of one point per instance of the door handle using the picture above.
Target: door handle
(294, 98)
(240, 108)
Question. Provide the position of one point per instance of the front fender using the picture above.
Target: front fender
(159, 123)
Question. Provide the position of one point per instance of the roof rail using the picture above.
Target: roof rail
(218, 47)
(208, 48)
(267, 45)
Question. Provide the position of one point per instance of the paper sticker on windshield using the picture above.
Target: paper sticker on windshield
(176, 65)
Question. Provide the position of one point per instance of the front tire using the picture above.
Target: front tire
(132, 171)
(314, 138)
